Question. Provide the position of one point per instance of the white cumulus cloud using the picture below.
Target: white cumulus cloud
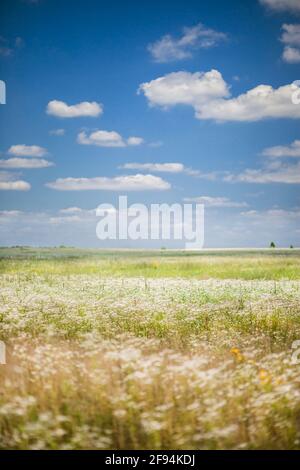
(261, 102)
(136, 182)
(25, 163)
(102, 138)
(22, 150)
(63, 110)
(187, 88)
(208, 94)
(9, 182)
(17, 185)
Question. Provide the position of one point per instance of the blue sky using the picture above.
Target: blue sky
(100, 91)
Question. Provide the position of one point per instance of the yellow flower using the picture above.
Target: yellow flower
(264, 376)
(235, 350)
(237, 354)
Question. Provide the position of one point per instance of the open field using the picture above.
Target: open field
(147, 350)
(226, 264)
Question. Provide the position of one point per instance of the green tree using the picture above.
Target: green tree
(272, 245)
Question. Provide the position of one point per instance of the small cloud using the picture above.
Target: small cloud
(102, 138)
(22, 150)
(291, 34)
(168, 48)
(120, 183)
(9, 182)
(215, 201)
(156, 144)
(185, 88)
(291, 38)
(84, 109)
(67, 219)
(162, 168)
(135, 141)
(209, 176)
(19, 42)
(18, 185)
(278, 173)
(7, 47)
(291, 55)
(292, 6)
(71, 210)
(25, 163)
(5, 51)
(155, 167)
(270, 214)
(58, 132)
(279, 151)
(10, 213)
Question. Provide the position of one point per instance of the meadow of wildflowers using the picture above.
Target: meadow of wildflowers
(102, 361)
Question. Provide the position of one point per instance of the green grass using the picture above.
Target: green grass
(263, 264)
